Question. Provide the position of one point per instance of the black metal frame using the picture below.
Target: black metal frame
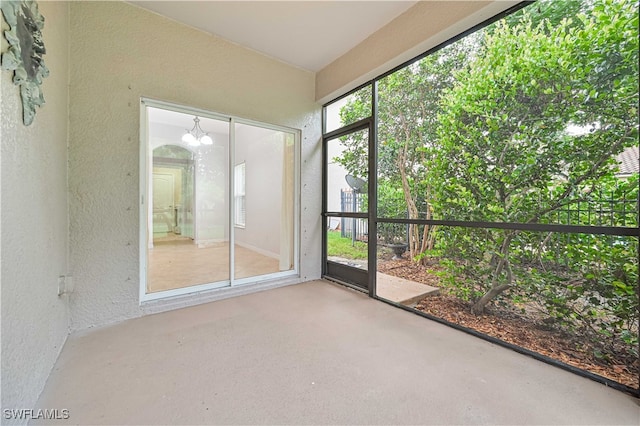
(332, 270)
(328, 268)
(537, 227)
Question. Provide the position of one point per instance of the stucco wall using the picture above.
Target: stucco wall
(118, 54)
(35, 321)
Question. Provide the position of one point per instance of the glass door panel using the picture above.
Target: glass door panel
(263, 201)
(188, 222)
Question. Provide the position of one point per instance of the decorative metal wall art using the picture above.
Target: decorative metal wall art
(24, 55)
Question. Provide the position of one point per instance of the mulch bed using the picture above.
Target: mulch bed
(511, 327)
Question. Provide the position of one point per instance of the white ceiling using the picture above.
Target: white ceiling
(306, 34)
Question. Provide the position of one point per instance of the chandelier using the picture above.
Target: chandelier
(196, 135)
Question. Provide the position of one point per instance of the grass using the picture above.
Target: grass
(344, 247)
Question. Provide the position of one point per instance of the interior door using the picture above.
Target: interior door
(163, 203)
(346, 205)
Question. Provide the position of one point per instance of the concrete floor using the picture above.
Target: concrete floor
(313, 353)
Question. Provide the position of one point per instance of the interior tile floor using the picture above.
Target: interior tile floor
(178, 262)
(312, 353)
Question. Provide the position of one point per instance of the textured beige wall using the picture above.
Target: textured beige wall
(35, 321)
(420, 28)
(118, 54)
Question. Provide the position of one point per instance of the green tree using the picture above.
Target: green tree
(409, 103)
(551, 11)
(533, 123)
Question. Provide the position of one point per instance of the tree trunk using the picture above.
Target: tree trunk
(428, 236)
(414, 237)
(478, 307)
(496, 289)
(417, 244)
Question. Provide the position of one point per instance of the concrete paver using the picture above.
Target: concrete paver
(402, 291)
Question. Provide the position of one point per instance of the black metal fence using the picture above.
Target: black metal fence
(350, 202)
(615, 207)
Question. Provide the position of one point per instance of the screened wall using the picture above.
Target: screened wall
(497, 179)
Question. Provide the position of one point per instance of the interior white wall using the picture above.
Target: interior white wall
(262, 152)
(34, 227)
(120, 53)
(212, 194)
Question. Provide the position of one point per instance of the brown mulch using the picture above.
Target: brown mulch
(412, 271)
(510, 326)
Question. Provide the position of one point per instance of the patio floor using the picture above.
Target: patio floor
(312, 353)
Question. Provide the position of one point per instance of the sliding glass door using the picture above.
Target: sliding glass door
(221, 207)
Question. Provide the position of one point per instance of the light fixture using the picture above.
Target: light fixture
(196, 135)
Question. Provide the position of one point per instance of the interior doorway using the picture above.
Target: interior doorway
(173, 195)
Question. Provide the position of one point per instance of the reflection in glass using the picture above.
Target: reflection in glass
(264, 201)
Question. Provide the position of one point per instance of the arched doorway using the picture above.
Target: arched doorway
(173, 189)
